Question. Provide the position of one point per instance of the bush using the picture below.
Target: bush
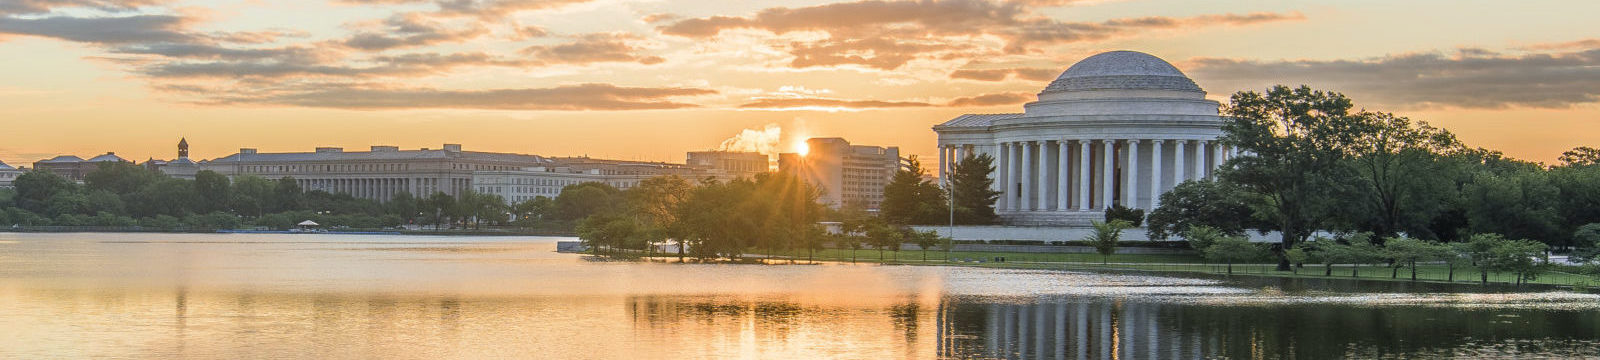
(1134, 217)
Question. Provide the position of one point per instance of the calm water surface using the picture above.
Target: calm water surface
(416, 297)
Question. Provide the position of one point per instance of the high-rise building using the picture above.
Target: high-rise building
(848, 175)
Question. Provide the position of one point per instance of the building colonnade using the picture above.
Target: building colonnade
(1089, 174)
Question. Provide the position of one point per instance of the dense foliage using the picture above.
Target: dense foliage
(127, 195)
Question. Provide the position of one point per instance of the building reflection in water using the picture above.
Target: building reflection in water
(1065, 330)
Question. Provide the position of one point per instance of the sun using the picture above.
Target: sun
(802, 148)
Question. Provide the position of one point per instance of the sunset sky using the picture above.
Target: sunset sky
(651, 79)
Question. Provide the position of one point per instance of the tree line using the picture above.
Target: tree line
(1310, 163)
(128, 195)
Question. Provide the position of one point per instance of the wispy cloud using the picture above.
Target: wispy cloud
(1468, 78)
(375, 97)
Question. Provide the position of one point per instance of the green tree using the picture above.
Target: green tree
(1519, 204)
(884, 237)
(656, 201)
(1231, 249)
(1586, 242)
(1105, 237)
(1134, 217)
(252, 195)
(287, 195)
(578, 201)
(973, 190)
(909, 199)
(214, 189)
(33, 188)
(1481, 251)
(925, 240)
(1201, 237)
(1406, 252)
(1291, 142)
(120, 177)
(1580, 156)
(1297, 257)
(1221, 206)
(1398, 166)
(1525, 258)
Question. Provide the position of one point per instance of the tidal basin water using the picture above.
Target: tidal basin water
(416, 297)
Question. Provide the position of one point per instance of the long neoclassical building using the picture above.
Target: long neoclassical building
(1120, 127)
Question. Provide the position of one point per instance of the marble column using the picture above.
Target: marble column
(1108, 178)
(1200, 160)
(1178, 172)
(1005, 177)
(943, 173)
(1155, 174)
(1083, 175)
(1063, 167)
(1026, 204)
(1217, 158)
(1042, 198)
(1132, 201)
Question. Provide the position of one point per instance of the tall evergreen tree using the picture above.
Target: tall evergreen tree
(973, 190)
(911, 199)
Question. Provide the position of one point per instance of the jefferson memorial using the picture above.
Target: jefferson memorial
(1120, 127)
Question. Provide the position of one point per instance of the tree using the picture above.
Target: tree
(1517, 204)
(1355, 249)
(1586, 242)
(1221, 206)
(1398, 166)
(1231, 249)
(1291, 142)
(884, 237)
(1297, 257)
(1201, 237)
(578, 201)
(405, 206)
(1526, 258)
(287, 195)
(1579, 156)
(33, 188)
(1481, 251)
(214, 190)
(439, 208)
(925, 240)
(120, 177)
(656, 201)
(909, 199)
(973, 190)
(251, 195)
(1105, 237)
(1134, 217)
(1406, 252)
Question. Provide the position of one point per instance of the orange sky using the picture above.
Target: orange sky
(652, 79)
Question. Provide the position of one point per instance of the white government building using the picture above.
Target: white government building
(1120, 127)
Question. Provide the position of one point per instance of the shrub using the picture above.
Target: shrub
(1134, 217)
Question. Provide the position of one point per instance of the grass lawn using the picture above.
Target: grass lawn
(1175, 263)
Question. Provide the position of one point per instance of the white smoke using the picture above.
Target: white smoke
(763, 141)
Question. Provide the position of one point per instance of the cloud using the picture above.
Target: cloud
(1033, 74)
(822, 103)
(45, 6)
(992, 99)
(479, 8)
(1469, 78)
(101, 30)
(593, 48)
(830, 104)
(412, 30)
(372, 97)
(887, 34)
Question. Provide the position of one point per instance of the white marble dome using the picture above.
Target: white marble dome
(1122, 70)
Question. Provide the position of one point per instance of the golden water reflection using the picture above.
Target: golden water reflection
(213, 296)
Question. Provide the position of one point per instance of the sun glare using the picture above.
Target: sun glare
(802, 148)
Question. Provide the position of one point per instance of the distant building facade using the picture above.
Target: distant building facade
(377, 174)
(516, 186)
(181, 167)
(848, 175)
(75, 168)
(8, 175)
(735, 163)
